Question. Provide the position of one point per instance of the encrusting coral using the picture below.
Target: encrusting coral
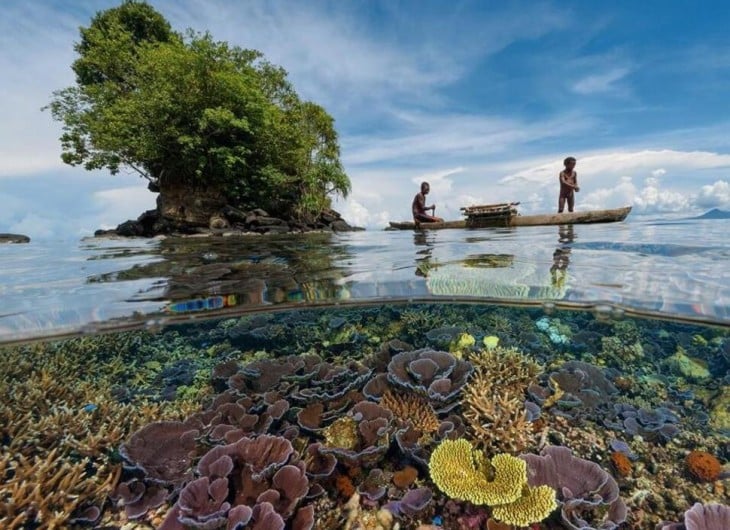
(465, 474)
(493, 399)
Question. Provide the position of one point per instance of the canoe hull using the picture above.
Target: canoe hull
(595, 216)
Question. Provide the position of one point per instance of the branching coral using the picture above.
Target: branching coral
(413, 409)
(494, 398)
(59, 424)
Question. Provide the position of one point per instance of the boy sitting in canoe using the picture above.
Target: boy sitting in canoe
(568, 185)
(419, 207)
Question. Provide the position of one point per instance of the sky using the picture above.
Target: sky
(483, 99)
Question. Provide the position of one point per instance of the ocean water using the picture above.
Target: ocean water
(369, 380)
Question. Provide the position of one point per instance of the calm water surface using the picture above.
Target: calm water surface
(676, 268)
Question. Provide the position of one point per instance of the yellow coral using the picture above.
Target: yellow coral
(491, 342)
(461, 344)
(464, 474)
(534, 506)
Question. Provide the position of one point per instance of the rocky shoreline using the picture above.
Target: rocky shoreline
(230, 221)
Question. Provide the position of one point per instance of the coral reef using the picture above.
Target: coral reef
(494, 399)
(328, 418)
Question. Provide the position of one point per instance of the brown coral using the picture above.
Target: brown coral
(621, 463)
(703, 466)
(494, 399)
(405, 477)
(411, 408)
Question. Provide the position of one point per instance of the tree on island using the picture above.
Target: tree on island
(208, 124)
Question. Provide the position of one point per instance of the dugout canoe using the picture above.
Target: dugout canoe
(593, 216)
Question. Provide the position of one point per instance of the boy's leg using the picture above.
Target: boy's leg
(571, 201)
(561, 203)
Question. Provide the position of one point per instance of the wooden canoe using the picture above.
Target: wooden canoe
(594, 216)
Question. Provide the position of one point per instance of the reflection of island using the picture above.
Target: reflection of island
(207, 274)
(561, 256)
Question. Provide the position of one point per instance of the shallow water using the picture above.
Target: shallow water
(347, 360)
(675, 268)
(82, 442)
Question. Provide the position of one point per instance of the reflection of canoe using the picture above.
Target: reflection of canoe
(520, 281)
(594, 216)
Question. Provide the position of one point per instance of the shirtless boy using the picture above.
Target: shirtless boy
(568, 185)
(419, 208)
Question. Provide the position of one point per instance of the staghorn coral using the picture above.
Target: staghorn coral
(60, 425)
(493, 399)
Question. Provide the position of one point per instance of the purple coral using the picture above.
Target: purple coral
(583, 487)
(437, 374)
(163, 450)
(413, 502)
(702, 517)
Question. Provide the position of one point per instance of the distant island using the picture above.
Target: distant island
(715, 213)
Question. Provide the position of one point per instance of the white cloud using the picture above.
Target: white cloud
(603, 82)
(659, 172)
(715, 195)
(116, 205)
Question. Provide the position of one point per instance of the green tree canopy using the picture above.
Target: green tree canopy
(188, 111)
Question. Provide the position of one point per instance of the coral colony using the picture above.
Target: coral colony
(388, 417)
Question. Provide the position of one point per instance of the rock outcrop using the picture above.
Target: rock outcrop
(226, 221)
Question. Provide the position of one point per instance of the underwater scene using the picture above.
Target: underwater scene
(371, 416)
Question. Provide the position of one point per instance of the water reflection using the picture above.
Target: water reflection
(424, 241)
(561, 256)
(49, 289)
(249, 270)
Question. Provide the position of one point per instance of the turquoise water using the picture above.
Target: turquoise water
(365, 380)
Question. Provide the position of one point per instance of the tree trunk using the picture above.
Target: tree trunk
(187, 204)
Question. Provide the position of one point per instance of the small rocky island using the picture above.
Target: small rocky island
(245, 155)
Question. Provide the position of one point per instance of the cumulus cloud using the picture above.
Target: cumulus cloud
(715, 195)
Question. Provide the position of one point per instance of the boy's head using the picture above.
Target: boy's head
(569, 162)
(425, 188)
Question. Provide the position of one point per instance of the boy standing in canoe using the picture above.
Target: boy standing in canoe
(418, 207)
(568, 185)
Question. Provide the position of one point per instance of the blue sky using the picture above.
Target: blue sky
(483, 99)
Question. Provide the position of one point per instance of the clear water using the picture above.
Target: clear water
(675, 268)
(610, 341)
